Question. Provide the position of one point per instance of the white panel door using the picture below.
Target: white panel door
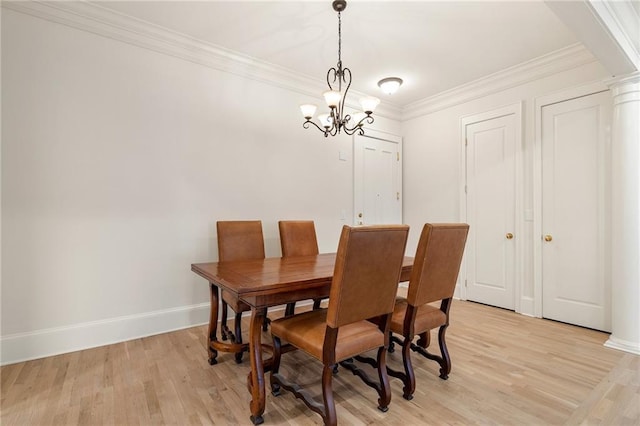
(490, 252)
(377, 181)
(575, 194)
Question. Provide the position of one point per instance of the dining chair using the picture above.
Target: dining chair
(237, 240)
(433, 278)
(298, 238)
(364, 285)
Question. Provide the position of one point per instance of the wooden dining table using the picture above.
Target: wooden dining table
(260, 284)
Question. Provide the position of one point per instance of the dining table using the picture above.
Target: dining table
(262, 283)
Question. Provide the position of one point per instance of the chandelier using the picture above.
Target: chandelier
(336, 120)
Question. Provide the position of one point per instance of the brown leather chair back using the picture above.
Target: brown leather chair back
(298, 238)
(437, 262)
(366, 274)
(240, 240)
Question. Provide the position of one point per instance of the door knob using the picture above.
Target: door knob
(359, 214)
(548, 238)
(509, 236)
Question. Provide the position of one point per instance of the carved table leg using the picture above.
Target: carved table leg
(256, 385)
(213, 324)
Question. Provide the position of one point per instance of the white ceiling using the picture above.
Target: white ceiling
(433, 46)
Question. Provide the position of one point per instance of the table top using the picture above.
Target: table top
(253, 280)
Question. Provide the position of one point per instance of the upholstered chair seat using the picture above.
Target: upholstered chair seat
(427, 318)
(307, 331)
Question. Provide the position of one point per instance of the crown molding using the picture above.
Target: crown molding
(561, 60)
(105, 22)
(622, 21)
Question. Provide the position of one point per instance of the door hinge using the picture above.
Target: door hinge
(465, 189)
(465, 283)
(397, 195)
(398, 156)
(466, 142)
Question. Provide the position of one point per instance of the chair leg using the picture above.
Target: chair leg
(223, 322)
(445, 361)
(238, 336)
(393, 339)
(316, 304)
(238, 327)
(409, 378)
(275, 367)
(330, 417)
(385, 390)
(291, 307)
(425, 339)
(327, 409)
(213, 325)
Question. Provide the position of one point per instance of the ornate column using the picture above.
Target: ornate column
(625, 214)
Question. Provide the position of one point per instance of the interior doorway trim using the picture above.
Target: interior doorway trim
(379, 134)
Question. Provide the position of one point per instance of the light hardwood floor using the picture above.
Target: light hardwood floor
(507, 369)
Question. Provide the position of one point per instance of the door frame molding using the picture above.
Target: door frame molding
(466, 120)
(379, 134)
(384, 136)
(539, 103)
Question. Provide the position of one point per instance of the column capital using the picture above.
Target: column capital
(624, 88)
(622, 80)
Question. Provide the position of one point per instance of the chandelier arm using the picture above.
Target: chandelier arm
(349, 131)
(335, 129)
(359, 131)
(306, 126)
(346, 90)
(369, 119)
(335, 77)
(335, 120)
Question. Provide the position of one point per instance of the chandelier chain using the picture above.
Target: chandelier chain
(339, 38)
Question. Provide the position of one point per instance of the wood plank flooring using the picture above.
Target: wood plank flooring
(507, 369)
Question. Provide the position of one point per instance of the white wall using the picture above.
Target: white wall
(432, 159)
(116, 163)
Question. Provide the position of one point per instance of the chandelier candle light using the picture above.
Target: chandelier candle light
(336, 120)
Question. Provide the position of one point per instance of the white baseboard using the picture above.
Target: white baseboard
(54, 341)
(31, 345)
(623, 345)
(527, 306)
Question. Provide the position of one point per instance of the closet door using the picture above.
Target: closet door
(490, 200)
(575, 217)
